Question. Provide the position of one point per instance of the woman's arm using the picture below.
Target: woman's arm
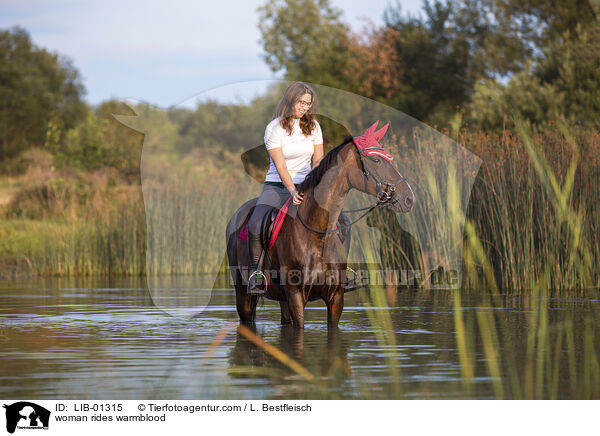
(318, 145)
(318, 154)
(279, 162)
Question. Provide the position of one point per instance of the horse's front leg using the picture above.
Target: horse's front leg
(246, 305)
(285, 312)
(296, 305)
(335, 305)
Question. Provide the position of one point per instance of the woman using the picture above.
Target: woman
(292, 139)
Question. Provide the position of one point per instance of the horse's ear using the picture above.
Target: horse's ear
(371, 129)
(379, 134)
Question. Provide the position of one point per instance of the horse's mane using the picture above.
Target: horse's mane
(314, 177)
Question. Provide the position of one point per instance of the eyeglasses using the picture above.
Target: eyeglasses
(303, 103)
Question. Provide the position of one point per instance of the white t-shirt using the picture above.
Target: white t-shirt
(297, 149)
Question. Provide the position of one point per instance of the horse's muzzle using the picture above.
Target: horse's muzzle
(404, 199)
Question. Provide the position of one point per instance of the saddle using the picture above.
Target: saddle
(273, 221)
(270, 227)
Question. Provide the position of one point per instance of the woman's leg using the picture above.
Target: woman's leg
(254, 228)
(273, 196)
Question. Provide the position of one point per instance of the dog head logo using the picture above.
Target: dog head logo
(26, 415)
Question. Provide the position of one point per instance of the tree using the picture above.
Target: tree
(545, 20)
(415, 65)
(124, 144)
(37, 87)
(494, 105)
(100, 141)
(458, 54)
(564, 82)
(571, 64)
(306, 39)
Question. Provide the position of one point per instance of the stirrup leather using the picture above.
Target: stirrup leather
(257, 283)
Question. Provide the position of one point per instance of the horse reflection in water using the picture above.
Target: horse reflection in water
(309, 244)
(322, 358)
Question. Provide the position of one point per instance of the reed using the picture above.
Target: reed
(186, 224)
(547, 250)
(177, 229)
(534, 202)
(376, 307)
(112, 244)
(558, 362)
(542, 227)
(534, 208)
(531, 231)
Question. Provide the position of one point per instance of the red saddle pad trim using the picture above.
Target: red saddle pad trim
(243, 234)
(279, 222)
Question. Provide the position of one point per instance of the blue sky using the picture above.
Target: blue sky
(162, 52)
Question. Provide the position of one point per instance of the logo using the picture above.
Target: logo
(26, 415)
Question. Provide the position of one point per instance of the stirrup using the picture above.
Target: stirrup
(351, 283)
(257, 283)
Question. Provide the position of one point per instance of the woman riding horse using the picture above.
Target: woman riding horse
(292, 139)
(308, 260)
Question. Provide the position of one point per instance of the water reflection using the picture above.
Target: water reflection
(323, 353)
(107, 339)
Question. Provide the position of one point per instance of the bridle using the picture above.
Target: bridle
(385, 192)
(383, 195)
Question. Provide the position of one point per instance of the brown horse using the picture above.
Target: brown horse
(308, 260)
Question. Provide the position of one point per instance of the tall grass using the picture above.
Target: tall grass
(99, 245)
(186, 224)
(533, 205)
(531, 231)
(177, 228)
(552, 366)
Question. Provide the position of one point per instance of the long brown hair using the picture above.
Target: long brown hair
(285, 108)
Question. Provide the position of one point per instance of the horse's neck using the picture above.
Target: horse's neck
(323, 204)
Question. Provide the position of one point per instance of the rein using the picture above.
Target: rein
(383, 196)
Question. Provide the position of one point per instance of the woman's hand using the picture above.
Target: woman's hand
(297, 197)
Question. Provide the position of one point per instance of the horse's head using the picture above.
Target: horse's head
(376, 175)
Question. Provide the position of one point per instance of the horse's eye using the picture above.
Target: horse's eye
(374, 159)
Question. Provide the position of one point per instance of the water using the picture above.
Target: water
(107, 340)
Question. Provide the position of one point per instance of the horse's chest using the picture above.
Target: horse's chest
(321, 257)
(324, 271)
(315, 265)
